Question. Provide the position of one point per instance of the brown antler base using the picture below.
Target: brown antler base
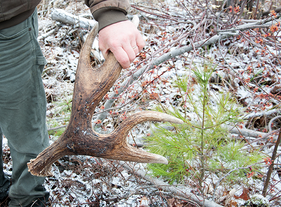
(112, 146)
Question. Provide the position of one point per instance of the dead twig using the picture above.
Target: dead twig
(270, 169)
(184, 192)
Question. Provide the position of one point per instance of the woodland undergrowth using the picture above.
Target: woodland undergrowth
(213, 64)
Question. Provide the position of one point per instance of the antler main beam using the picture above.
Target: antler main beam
(91, 85)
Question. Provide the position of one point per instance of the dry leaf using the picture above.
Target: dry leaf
(144, 202)
(244, 195)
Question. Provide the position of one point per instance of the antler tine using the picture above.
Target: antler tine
(79, 138)
(87, 47)
(93, 83)
(123, 151)
(124, 127)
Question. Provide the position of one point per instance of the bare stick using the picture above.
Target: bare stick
(270, 169)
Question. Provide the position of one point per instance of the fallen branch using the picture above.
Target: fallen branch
(227, 174)
(246, 132)
(49, 33)
(59, 127)
(260, 114)
(270, 169)
(277, 10)
(184, 192)
(67, 18)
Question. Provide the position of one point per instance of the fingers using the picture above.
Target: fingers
(123, 40)
(122, 57)
(125, 54)
(136, 50)
(131, 51)
(140, 42)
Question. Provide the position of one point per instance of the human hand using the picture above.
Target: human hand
(123, 39)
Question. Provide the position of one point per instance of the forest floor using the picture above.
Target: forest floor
(247, 67)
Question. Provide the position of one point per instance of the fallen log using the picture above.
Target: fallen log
(67, 18)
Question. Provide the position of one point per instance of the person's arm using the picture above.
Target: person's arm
(116, 33)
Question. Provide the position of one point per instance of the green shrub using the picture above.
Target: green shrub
(203, 143)
(60, 115)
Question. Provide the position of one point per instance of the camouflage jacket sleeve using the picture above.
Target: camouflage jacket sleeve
(108, 12)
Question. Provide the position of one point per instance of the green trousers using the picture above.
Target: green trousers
(22, 107)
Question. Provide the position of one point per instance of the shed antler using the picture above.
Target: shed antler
(79, 138)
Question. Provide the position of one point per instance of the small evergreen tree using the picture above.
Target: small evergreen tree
(203, 143)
